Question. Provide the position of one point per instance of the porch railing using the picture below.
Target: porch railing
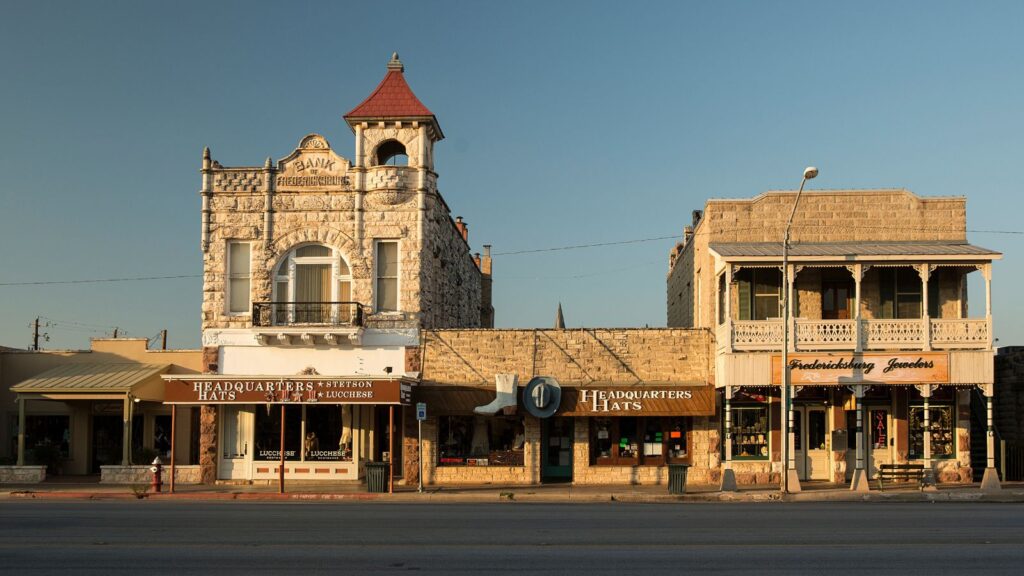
(874, 334)
(307, 314)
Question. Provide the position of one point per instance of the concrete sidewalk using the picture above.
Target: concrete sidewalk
(304, 491)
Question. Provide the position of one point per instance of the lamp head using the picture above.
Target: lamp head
(810, 172)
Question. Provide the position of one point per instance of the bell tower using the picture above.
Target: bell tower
(392, 126)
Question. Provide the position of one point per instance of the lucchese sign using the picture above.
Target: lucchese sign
(903, 368)
(285, 391)
(638, 401)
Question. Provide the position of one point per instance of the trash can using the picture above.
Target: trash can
(677, 478)
(377, 476)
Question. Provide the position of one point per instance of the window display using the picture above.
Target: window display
(941, 429)
(629, 441)
(480, 441)
(48, 433)
(750, 433)
(268, 433)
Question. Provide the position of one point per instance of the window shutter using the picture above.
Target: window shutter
(744, 288)
(887, 293)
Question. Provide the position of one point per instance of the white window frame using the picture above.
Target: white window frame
(228, 275)
(398, 275)
(291, 261)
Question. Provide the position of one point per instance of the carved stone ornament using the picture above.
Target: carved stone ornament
(308, 371)
(314, 142)
(925, 390)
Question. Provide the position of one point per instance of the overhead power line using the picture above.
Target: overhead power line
(537, 250)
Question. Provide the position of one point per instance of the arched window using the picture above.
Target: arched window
(313, 285)
(392, 152)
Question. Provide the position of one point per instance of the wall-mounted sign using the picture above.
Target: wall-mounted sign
(542, 396)
(638, 401)
(242, 390)
(865, 368)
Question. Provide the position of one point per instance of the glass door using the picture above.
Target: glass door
(817, 444)
(235, 442)
(556, 449)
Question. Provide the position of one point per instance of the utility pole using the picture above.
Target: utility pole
(163, 339)
(35, 335)
(115, 331)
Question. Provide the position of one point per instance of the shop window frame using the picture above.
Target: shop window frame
(641, 426)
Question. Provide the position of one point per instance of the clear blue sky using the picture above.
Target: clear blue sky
(566, 123)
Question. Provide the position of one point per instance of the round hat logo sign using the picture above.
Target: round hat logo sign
(542, 396)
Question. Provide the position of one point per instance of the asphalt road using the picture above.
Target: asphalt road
(39, 537)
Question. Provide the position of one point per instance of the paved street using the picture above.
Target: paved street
(343, 538)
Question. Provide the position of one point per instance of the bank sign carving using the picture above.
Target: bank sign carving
(638, 401)
(868, 368)
(285, 391)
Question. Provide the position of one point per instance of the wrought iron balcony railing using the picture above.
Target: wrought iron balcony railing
(307, 314)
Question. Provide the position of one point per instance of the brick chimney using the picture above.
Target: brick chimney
(463, 228)
(486, 305)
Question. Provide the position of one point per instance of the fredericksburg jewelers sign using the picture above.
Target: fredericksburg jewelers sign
(638, 401)
(309, 390)
(869, 368)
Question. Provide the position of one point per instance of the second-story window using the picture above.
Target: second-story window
(239, 277)
(310, 283)
(760, 290)
(387, 276)
(900, 291)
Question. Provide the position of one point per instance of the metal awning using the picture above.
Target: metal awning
(856, 250)
(94, 381)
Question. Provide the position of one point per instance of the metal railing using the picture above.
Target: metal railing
(307, 314)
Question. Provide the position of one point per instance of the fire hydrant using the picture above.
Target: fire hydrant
(156, 469)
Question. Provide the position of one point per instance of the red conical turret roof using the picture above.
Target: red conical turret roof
(392, 99)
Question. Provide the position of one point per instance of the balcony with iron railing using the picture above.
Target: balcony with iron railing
(313, 314)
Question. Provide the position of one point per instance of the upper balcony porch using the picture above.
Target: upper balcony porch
(851, 297)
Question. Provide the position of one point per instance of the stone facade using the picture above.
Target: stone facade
(610, 356)
(22, 474)
(140, 474)
(824, 216)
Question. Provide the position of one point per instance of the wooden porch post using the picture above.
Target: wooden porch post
(21, 431)
(126, 436)
(924, 270)
(858, 275)
(174, 421)
(391, 449)
(987, 271)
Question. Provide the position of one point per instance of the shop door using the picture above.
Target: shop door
(235, 448)
(107, 439)
(879, 439)
(556, 450)
(835, 300)
(809, 448)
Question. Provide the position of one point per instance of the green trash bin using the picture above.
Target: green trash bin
(377, 476)
(677, 478)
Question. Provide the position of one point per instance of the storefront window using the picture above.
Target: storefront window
(941, 429)
(328, 434)
(480, 441)
(750, 432)
(268, 433)
(162, 436)
(630, 441)
(49, 434)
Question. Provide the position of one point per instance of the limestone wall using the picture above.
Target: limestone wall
(140, 474)
(349, 209)
(22, 474)
(825, 216)
(610, 356)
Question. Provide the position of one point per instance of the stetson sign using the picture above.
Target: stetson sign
(868, 368)
(638, 401)
(306, 390)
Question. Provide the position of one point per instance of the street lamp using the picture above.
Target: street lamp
(786, 396)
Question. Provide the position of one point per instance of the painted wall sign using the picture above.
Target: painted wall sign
(638, 401)
(866, 368)
(285, 391)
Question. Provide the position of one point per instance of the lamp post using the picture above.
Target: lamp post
(786, 415)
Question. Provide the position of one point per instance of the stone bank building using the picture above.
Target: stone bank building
(887, 361)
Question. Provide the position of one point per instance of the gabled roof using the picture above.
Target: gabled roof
(90, 378)
(391, 99)
(851, 249)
